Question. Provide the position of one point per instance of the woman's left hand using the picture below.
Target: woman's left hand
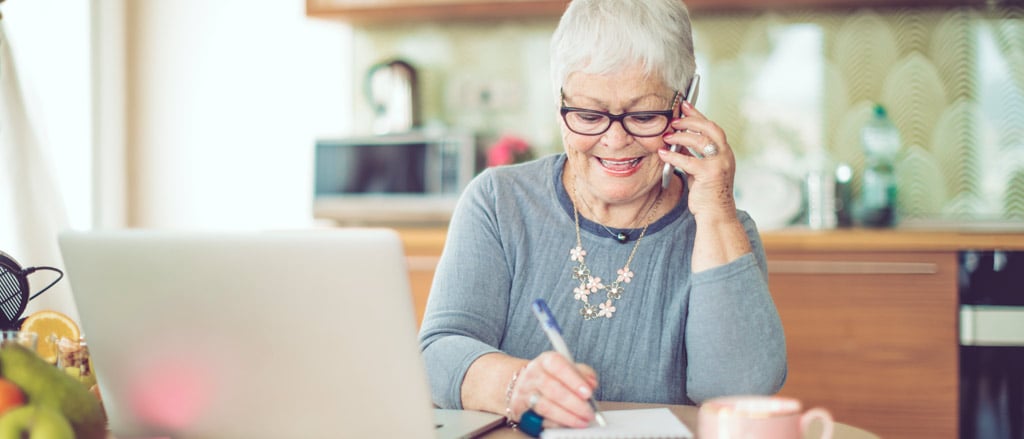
(710, 179)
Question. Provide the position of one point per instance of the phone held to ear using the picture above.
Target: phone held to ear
(691, 97)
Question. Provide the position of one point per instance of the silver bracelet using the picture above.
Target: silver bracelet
(508, 398)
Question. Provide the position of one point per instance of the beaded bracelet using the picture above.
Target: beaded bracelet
(508, 398)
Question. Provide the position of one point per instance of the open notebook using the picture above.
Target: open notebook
(304, 334)
(632, 424)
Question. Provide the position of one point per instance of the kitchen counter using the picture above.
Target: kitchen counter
(911, 238)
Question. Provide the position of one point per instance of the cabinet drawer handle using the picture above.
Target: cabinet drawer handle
(422, 263)
(850, 267)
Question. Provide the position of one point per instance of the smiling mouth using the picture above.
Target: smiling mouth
(620, 165)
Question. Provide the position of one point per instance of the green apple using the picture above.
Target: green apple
(47, 386)
(35, 422)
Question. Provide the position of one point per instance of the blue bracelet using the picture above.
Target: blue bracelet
(531, 423)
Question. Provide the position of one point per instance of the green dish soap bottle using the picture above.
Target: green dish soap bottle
(876, 206)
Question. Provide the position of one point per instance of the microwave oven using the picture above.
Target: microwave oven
(392, 178)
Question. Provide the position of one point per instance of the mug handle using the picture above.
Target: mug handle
(818, 413)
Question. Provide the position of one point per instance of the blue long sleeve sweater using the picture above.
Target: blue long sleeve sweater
(676, 337)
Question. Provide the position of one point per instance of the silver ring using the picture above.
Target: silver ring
(710, 150)
(534, 398)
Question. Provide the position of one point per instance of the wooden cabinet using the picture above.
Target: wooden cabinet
(388, 11)
(872, 337)
(382, 11)
(422, 251)
(870, 316)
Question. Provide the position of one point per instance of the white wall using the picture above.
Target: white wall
(51, 53)
(225, 100)
(45, 146)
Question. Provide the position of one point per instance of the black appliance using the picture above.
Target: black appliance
(991, 345)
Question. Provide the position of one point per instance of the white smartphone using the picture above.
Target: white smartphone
(691, 97)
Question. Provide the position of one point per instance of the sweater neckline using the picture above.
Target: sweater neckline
(599, 230)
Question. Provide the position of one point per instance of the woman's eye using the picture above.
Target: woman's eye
(644, 118)
(589, 117)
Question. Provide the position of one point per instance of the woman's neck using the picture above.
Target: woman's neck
(632, 215)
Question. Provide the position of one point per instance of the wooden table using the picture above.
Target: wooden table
(688, 414)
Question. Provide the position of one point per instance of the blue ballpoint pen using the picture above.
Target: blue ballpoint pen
(554, 332)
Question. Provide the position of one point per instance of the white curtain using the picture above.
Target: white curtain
(31, 209)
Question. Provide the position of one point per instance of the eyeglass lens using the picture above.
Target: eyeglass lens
(637, 124)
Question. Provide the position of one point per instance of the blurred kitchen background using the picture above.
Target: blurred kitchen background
(225, 114)
(204, 114)
(790, 87)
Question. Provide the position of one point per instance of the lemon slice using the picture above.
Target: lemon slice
(51, 326)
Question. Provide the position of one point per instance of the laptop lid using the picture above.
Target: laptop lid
(250, 334)
(465, 424)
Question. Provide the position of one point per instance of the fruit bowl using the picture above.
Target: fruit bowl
(38, 400)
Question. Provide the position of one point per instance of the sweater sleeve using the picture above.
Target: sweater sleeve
(466, 310)
(734, 338)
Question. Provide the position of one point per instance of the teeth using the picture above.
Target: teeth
(620, 163)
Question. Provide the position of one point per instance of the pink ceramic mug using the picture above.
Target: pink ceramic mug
(767, 417)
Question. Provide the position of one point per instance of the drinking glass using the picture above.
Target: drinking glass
(73, 359)
(28, 339)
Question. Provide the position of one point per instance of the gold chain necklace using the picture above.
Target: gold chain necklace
(622, 237)
(592, 284)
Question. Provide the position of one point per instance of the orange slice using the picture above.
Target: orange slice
(51, 326)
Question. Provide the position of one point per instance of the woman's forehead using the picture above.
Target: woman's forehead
(621, 87)
(633, 76)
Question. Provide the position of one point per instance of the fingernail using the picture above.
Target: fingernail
(663, 152)
(687, 104)
(666, 135)
(584, 391)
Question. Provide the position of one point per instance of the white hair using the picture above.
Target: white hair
(605, 36)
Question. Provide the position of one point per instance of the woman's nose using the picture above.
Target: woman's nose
(617, 136)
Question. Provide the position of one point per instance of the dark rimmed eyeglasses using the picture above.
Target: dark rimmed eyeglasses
(636, 123)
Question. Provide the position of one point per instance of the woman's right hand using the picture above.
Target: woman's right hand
(555, 389)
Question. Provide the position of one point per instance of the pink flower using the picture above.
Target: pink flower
(577, 254)
(606, 309)
(581, 293)
(508, 150)
(625, 275)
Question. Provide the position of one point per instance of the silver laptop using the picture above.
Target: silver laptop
(255, 334)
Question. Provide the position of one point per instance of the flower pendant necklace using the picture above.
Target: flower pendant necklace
(590, 284)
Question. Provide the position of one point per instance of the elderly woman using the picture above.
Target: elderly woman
(661, 292)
